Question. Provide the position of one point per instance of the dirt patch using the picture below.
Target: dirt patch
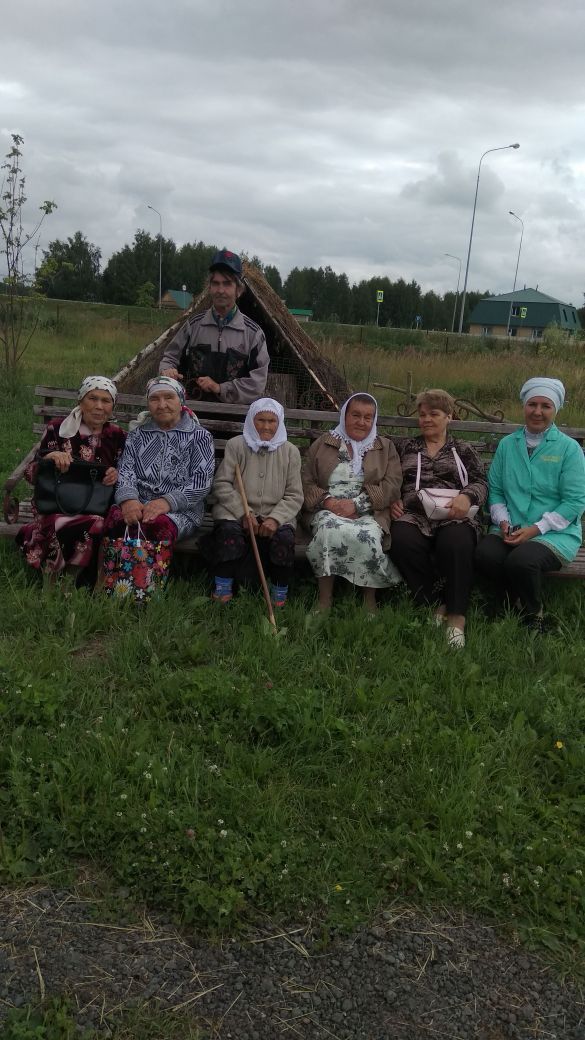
(407, 976)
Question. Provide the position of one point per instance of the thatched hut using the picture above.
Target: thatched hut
(300, 377)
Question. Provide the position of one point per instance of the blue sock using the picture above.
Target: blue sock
(223, 586)
(279, 593)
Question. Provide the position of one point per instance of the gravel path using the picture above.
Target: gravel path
(405, 977)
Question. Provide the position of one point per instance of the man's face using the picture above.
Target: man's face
(224, 291)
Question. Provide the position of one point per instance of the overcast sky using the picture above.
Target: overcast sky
(341, 132)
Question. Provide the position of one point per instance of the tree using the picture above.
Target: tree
(146, 295)
(70, 270)
(272, 276)
(18, 321)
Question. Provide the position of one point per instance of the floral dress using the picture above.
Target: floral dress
(350, 549)
(54, 541)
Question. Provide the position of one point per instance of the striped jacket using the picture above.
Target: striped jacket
(175, 464)
(235, 355)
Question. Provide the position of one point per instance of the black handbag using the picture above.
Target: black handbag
(78, 491)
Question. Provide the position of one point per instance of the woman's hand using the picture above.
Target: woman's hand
(459, 507)
(248, 521)
(151, 510)
(62, 460)
(110, 477)
(268, 527)
(344, 507)
(396, 509)
(132, 511)
(523, 535)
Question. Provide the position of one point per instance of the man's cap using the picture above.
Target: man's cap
(225, 258)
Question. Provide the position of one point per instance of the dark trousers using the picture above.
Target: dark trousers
(448, 551)
(517, 570)
(234, 557)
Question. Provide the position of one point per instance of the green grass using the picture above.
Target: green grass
(349, 763)
(220, 772)
(55, 1020)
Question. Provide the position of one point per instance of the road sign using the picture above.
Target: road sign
(523, 312)
(380, 295)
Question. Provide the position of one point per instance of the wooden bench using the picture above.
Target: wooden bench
(303, 426)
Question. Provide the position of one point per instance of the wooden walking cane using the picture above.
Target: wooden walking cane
(259, 566)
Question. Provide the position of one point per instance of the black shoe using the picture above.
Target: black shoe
(539, 624)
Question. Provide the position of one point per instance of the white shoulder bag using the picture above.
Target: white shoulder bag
(436, 502)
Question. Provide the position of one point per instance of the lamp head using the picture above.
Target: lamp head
(514, 146)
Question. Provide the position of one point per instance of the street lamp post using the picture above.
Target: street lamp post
(516, 217)
(502, 148)
(457, 293)
(159, 255)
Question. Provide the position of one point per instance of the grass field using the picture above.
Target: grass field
(221, 772)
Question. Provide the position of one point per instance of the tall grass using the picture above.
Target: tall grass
(492, 381)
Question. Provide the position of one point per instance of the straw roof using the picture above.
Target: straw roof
(299, 374)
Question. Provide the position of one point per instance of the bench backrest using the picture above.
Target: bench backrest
(303, 425)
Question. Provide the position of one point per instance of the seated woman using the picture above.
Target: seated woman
(166, 469)
(419, 542)
(350, 477)
(271, 474)
(536, 498)
(55, 541)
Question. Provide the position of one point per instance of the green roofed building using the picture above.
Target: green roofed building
(301, 313)
(177, 298)
(526, 312)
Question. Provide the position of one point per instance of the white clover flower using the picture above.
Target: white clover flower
(459, 845)
(220, 823)
(223, 834)
(469, 834)
(506, 880)
(119, 814)
(540, 870)
(536, 882)
(143, 830)
(147, 775)
(123, 797)
(445, 846)
(579, 873)
(283, 843)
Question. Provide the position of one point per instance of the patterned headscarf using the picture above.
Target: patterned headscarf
(542, 386)
(161, 383)
(165, 383)
(250, 433)
(359, 448)
(72, 422)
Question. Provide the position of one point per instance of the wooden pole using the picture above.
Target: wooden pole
(259, 566)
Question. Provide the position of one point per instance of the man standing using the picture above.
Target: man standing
(220, 354)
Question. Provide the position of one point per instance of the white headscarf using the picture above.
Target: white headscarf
(543, 386)
(251, 435)
(72, 422)
(359, 448)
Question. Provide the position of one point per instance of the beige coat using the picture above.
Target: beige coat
(382, 476)
(272, 481)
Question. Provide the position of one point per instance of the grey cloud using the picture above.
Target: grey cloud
(309, 133)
